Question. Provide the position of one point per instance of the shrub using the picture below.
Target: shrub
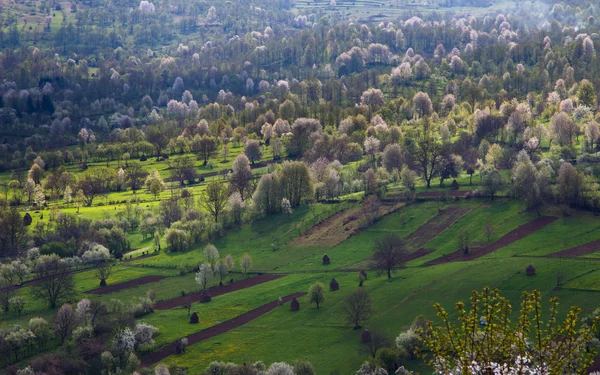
(59, 248)
(176, 239)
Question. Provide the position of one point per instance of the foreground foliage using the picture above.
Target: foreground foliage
(485, 341)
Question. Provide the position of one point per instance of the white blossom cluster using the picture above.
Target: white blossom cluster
(521, 365)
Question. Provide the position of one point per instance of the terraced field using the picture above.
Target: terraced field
(244, 321)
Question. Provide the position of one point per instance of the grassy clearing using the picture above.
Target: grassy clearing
(504, 214)
(321, 335)
(355, 250)
(265, 240)
(576, 230)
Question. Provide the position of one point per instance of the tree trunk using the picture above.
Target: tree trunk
(102, 282)
(389, 273)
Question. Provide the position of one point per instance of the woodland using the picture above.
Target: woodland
(280, 187)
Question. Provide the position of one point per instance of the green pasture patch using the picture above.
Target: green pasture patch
(403, 222)
(264, 239)
(504, 214)
(578, 229)
(320, 336)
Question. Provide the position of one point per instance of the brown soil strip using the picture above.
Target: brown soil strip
(426, 233)
(126, 285)
(216, 291)
(216, 330)
(450, 193)
(435, 226)
(587, 248)
(343, 225)
(517, 234)
(417, 254)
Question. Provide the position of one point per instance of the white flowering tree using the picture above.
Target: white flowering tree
(161, 369)
(146, 7)
(39, 196)
(211, 255)
(204, 275)
(125, 341)
(221, 269)
(237, 205)
(286, 207)
(246, 263)
(372, 146)
(99, 257)
(143, 334)
(155, 184)
(230, 262)
(280, 368)
(83, 311)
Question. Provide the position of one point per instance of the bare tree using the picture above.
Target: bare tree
(215, 198)
(7, 290)
(96, 181)
(206, 147)
(390, 251)
(158, 135)
(428, 153)
(55, 280)
(13, 232)
(241, 176)
(316, 294)
(378, 340)
(64, 322)
(357, 307)
(463, 241)
(136, 175)
(182, 169)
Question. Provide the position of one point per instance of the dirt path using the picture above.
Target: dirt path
(127, 260)
(216, 291)
(344, 224)
(216, 330)
(435, 226)
(126, 285)
(224, 172)
(587, 248)
(450, 193)
(417, 254)
(517, 234)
